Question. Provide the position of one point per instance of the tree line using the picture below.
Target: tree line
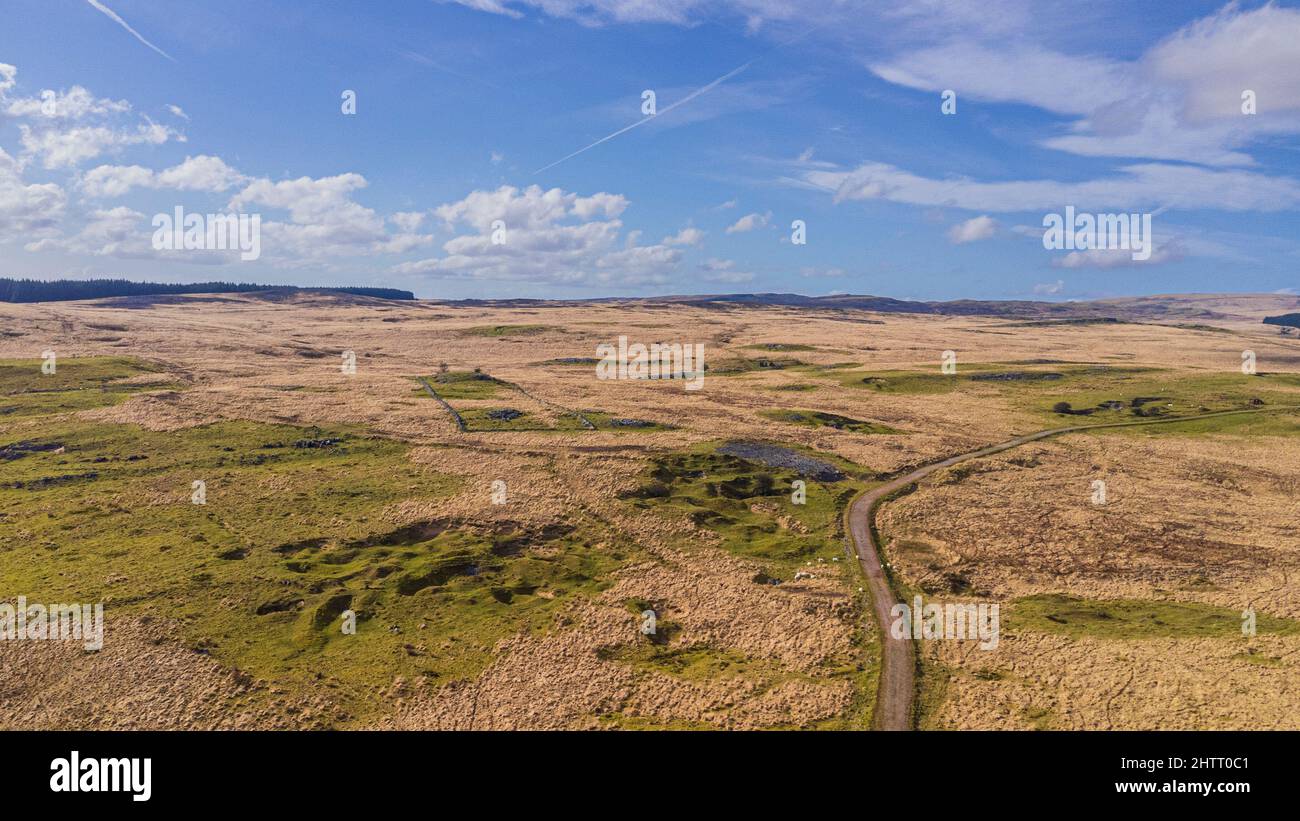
(62, 290)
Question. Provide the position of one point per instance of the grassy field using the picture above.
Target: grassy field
(750, 507)
(292, 533)
(1058, 395)
(465, 385)
(1130, 619)
(76, 384)
(820, 419)
(497, 331)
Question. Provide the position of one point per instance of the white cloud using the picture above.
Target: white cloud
(115, 180)
(201, 173)
(1024, 73)
(972, 230)
(1181, 100)
(64, 129)
(723, 270)
(550, 236)
(687, 236)
(66, 148)
(27, 211)
(408, 221)
(124, 233)
(1134, 187)
(678, 12)
(750, 222)
(1050, 288)
(1214, 59)
(325, 223)
(531, 207)
(811, 272)
(75, 104)
(1116, 258)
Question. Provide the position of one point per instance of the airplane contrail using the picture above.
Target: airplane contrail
(115, 18)
(697, 92)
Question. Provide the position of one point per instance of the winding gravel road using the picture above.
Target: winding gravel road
(897, 678)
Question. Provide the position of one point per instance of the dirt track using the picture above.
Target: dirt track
(897, 676)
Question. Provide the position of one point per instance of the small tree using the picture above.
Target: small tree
(1063, 407)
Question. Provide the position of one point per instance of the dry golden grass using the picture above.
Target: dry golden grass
(1208, 518)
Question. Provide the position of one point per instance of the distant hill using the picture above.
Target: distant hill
(63, 290)
(1170, 307)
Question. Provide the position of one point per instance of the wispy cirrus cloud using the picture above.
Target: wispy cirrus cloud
(1133, 186)
(1180, 100)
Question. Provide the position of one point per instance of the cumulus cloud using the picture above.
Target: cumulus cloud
(74, 104)
(304, 221)
(408, 221)
(201, 173)
(66, 148)
(749, 222)
(548, 236)
(124, 233)
(324, 223)
(972, 230)
(686, 236)
(64, 129)
(27, 211)
(1116, 258)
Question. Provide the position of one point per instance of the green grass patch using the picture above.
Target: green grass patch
(750, 506)
(608, 421)
(464, 385)
(497, 331)
(1257, 659)
(1129, 619)
(819, 419)
(1148, 394)
(1278, 423)
(1011, 379)
(1073, 394)
(77, 384)
(293, 532)
(738, 366)
(506, 418)
(778, 347)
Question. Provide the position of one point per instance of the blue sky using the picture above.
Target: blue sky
(114, 111)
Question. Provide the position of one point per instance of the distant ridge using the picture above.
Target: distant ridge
(1145, 308)
(64, 290)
